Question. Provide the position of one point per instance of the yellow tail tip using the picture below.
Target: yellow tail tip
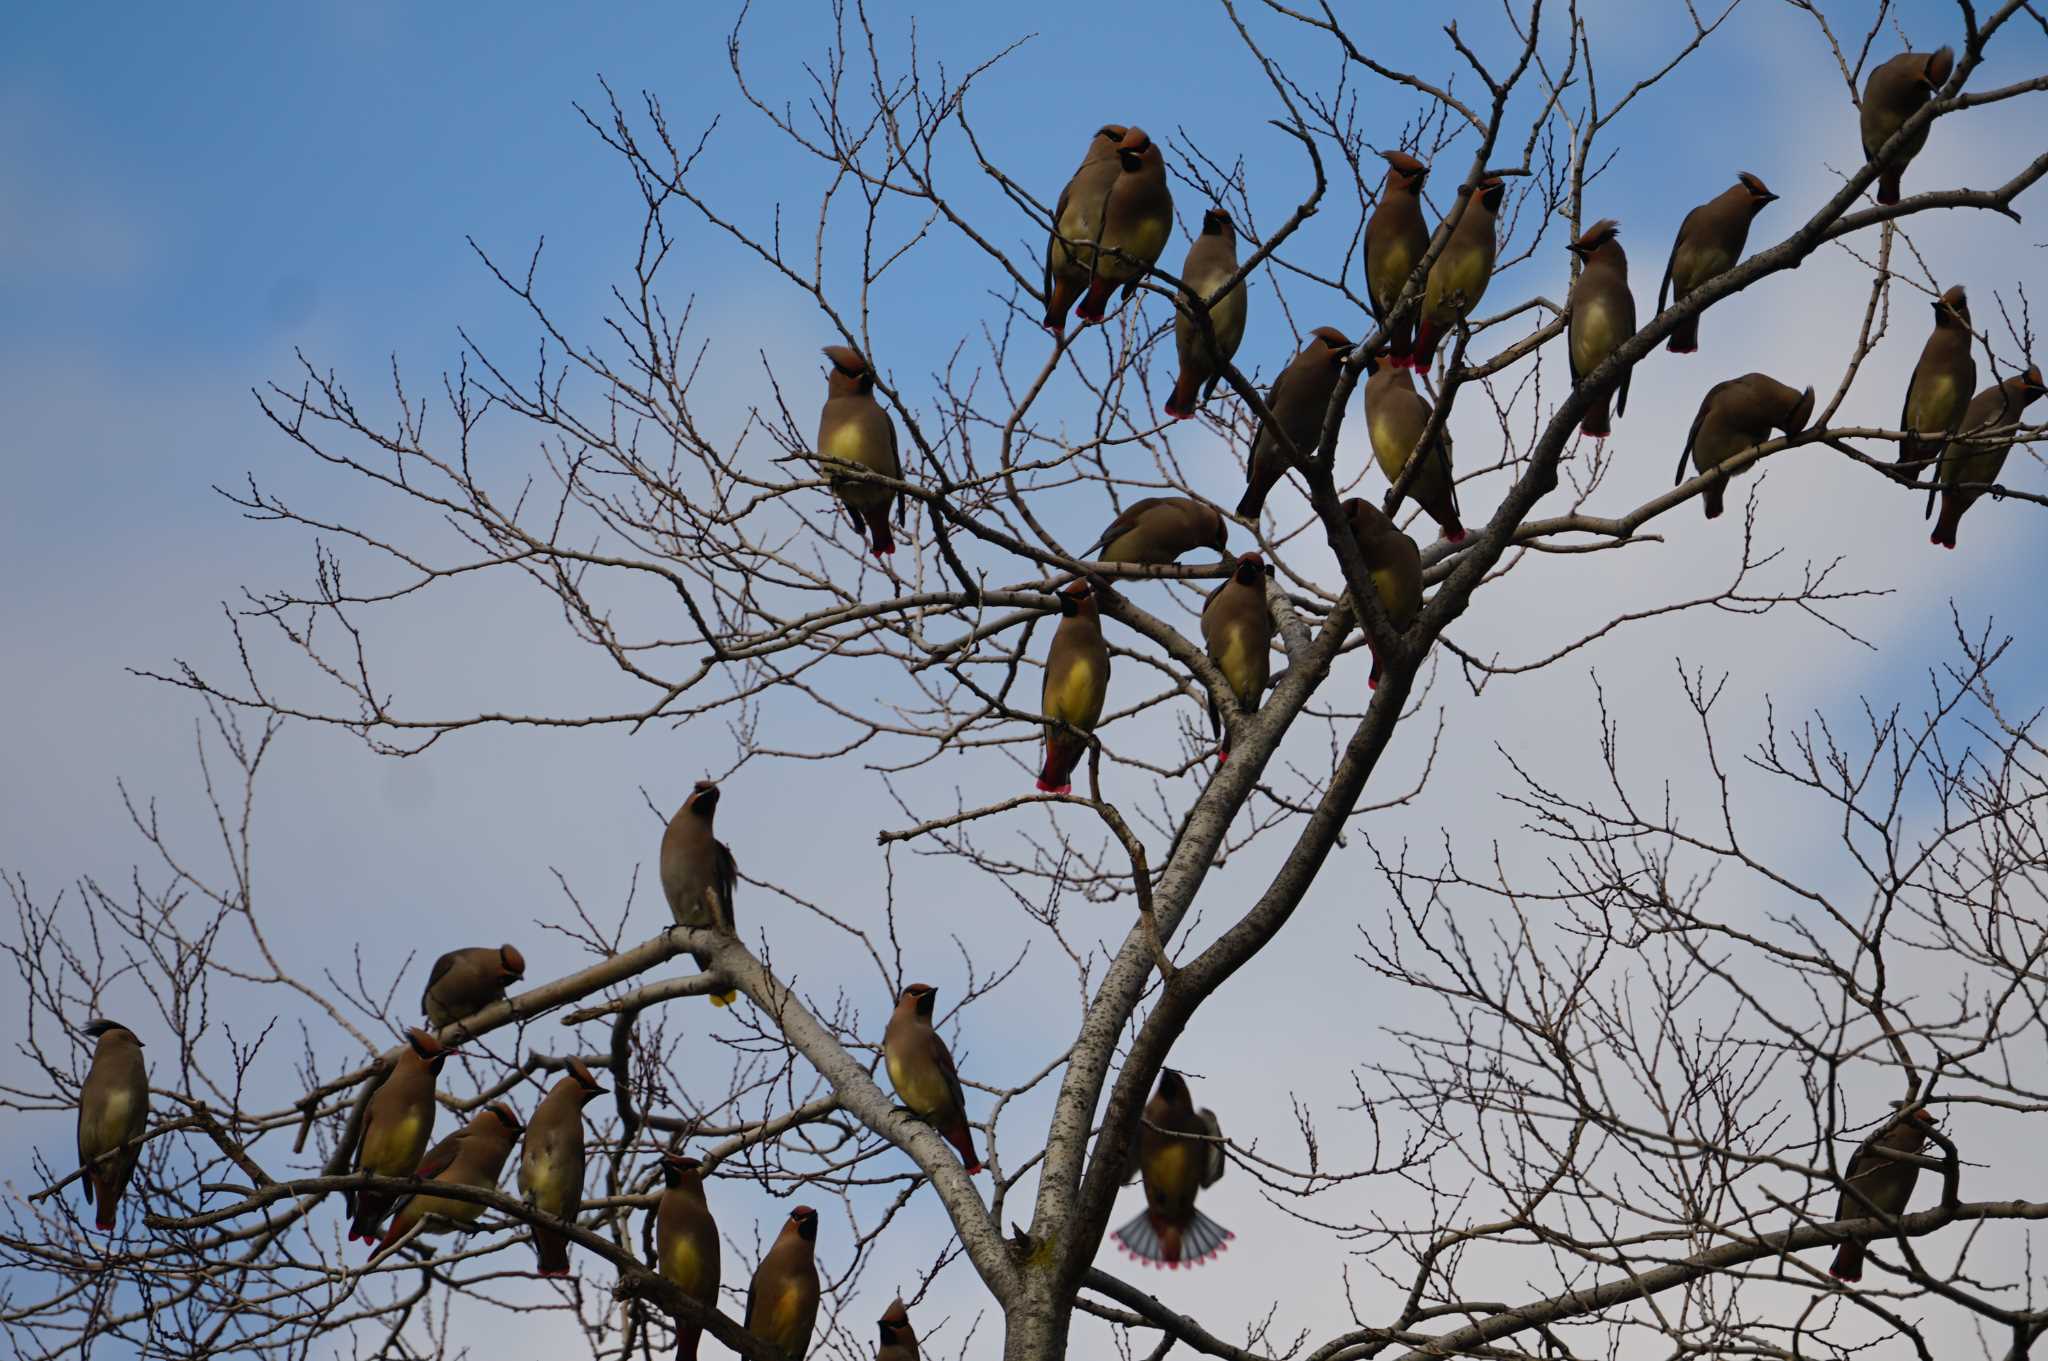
(723, 999)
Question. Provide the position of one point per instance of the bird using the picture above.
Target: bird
(854, 428)
(1963, 466)
(1458, 279)
(698, 874)
(1939, 392)
(1136, 217)
(1877, 1185)
(551, 1162)
(1603, 313)
(1395, 564)
(1895, 92)
(1396, 415)
(464, 982)
(1212, 259)
(1396, 239)
(472, 1156)
(1237, 630)
(397, 1123)
(899, 1343)
(1710, 242)
(782, 1300)
(1299, 401)
(1076, 683)
(686, 1242)
(113, 1110)
(922, 1072)
(1158, 529)
(1736, 415)
(1177, 1150)
(1077, 218)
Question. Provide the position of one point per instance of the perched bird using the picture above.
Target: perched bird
(1458, 279)
(898, 1342)
(1395, 564)
(1962, 465)
(1211, 261)
(1877, 1184)
(698, 874)
(1135, 219)
(1939, 392)
(782, 1301)
(396, 1126)
(1396, 239)
(1299, 401)
(472, 1156)
(1076, 683)
(921, 1070)
(551, 1162)
(686, 1242)
(1895, 92)
(1710, 242)
(1603, 318)
(1177, 1150)
(1237, 630)
(1077, 218)
(1738, 415)
(464, 982)
(1159, 529)
(1396, 416)
(113, 1108)
(855, 429)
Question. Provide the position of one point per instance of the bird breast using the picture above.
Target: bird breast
(1075, 697)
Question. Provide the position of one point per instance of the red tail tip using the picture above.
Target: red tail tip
(1372, 682)
(1455, 535)
(557, 1271)
(1221, 756)
(1047, 788)
(104, 1225)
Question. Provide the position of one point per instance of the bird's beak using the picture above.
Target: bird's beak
(1767, 197)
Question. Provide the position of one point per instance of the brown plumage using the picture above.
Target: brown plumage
(1603, 318)
(1896, 91)
(1128, 214)
(1396, 239)
(1159, 529)
(1397, 417)
(1964, 465)
(1939, 392)
(1736, 416)
(1076, 684)
(699, 876)
(1299, 401)
(921, 1070)
(1710, 242)
(1212, 259)
(113, 1108)
(782, 1300)
(1177, 1150)
(899, 1343)
(1395, 564)
(464, 982)
(686, 1247)
(1878, 1185)
(1237, 631)
(1458, 279)
(1077, 218)
(397, 1123)
(551, 1162)
(472, 1156)
(853, 428)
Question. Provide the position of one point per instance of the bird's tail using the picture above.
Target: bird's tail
(1096, 305)
(1951, 517)
(1424, 353)
(1453, 529)
(552, 1250)
(962, 1139)
(1372, 680)
(1057, 301)
(1685, 336)
(1713, 499)
(878, 532)
(1062, 754)
(96, 1193)
(1152, 1240)
(718, 999)
(1252, 502)
(1887, 193)
(686, 1341)
(1597, 421)
(1180, 404)
(370, 1211)
(1848, 1263)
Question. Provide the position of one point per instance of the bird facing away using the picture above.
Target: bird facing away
(472, 1156)
(699, 877)
(1396, 239)
(899, 1343)
(113, 1108)
(686, 1242)
(922, 1072)
(1210, 263)
(1458, 279)
(1299, 400)
(855, 429)
(1710, 242)
(397, 1124)
(1237, 630)
(1895, 92)
(1135, 219)
(1077, 218)
(1939, 392)
(1395, 564)
(1397, 416)
(464, 982)
(1964, 465)
(1603, 318)
(1177, 1150)
(551, 1162)
(782, 1300)
(1158, 529)
(1879, 1185)
(1076, 684)
(1738, 415)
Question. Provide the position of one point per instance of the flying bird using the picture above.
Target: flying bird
(698, 874)
(855, 429)
(1177, 1150)
(1237, 630)
(1738, 415)
(113, 1110)
(1212, 259)
(1939, 392)
(1158, 529)
(686, 1242)
(1394, 563)
(551, 1162)
(397, 1123)
(1458, 279)
(1603, 315)
(1710, 242)
(464, 982)
(922, 1072)
(1299, 401)
(473, 1156)
(1964, 466)
(1397, 416)
(1896, 91)
(1076, 684)
(1396, 239)
(782, 1301)
(1877, 1185)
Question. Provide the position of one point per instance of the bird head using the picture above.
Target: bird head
(505, 1117)
(1077, 600)
(103, 1027)
(850, 372)
(1220, 528)
(895, 1322)
(1104, 143)
(1216, 222)
(1368, 521)
(426, 1045)
(805, 1220)
(1939, 65)
(1335, 346)
(703, 800)
(585, 1080)
(1136, 150)
(1404, 171)
(1250, 570)
(1952, 308)
(2030, 383)
(676, 1168)
(1491, 189)
(921, 996)
(511, 964)
(1801, 412)
(1759, 193)
(1596, 238)
(1172, 1086)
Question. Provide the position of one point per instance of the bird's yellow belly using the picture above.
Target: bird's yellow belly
(1594, 336)
(1077, 699)
(781, 1320)
(925, 1092)
(686, 1267)
(392, 1149)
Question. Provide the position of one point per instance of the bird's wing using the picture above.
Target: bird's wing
(441, 1155)
(1213, 1161)
(728, 872)
(1664, 288)
(1125, 521)
(1685, 454)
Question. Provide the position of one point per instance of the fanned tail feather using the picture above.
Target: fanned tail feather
(962, 1139)
(1189, 1245)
